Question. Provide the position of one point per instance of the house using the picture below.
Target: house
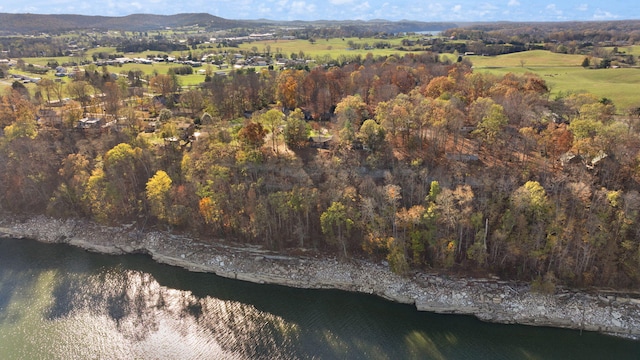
(49, 117)
(150, 127)
(320, 141)
(599, 159)
(143, 61)
(186, 130)
(90, 123)
(123, 60)
(570, 158)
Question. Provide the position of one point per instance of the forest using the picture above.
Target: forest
(563, 32)
(409, 159)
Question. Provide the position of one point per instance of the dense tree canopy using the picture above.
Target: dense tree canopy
(422, 163)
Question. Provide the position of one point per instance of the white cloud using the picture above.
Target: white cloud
(341, 2)
(362, 7)
(603, 15)
(431, 10)
(484, 11)
(435, 8)
(552, 8)
(488, 6)
(263, 10)
(301, 7)
(383, 11)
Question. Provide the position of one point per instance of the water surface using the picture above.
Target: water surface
(59, 302)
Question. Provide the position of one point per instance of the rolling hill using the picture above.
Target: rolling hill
(36, 23)
(15, 24)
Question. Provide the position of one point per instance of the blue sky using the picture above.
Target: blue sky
(425, 10)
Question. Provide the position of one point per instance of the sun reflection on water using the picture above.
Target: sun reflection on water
(421, 345)
(61, 303)
(128, 314)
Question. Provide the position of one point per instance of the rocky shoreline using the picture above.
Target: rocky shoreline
(488, 299)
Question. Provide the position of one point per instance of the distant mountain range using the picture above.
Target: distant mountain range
(36, 23)
(30, 23)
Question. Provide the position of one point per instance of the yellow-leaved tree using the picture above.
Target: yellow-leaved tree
(158, 191)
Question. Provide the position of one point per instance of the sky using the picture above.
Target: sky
(420, 10)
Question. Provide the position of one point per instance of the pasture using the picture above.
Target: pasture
(333, 47)
(563, 73)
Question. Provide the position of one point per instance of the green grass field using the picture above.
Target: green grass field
(150, 70)
(563, 73)
(633, 50)
(534, 58)
(333, 47)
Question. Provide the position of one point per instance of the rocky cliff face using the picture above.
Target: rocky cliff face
(487, 299)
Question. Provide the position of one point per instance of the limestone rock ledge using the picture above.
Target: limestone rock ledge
(487, 299)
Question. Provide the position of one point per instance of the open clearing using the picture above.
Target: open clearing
(563, 74)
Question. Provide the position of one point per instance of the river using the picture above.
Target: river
(60, 302)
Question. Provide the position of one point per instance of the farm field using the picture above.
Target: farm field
(333, 47)
(619, 85)
(147, 69)
(633, 50)
(533, 58)
(563, 73)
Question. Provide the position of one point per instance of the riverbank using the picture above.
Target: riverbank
(487, 299)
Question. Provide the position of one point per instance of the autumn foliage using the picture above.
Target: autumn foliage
(421, 163)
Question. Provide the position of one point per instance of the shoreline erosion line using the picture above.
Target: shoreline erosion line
(491, 300)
